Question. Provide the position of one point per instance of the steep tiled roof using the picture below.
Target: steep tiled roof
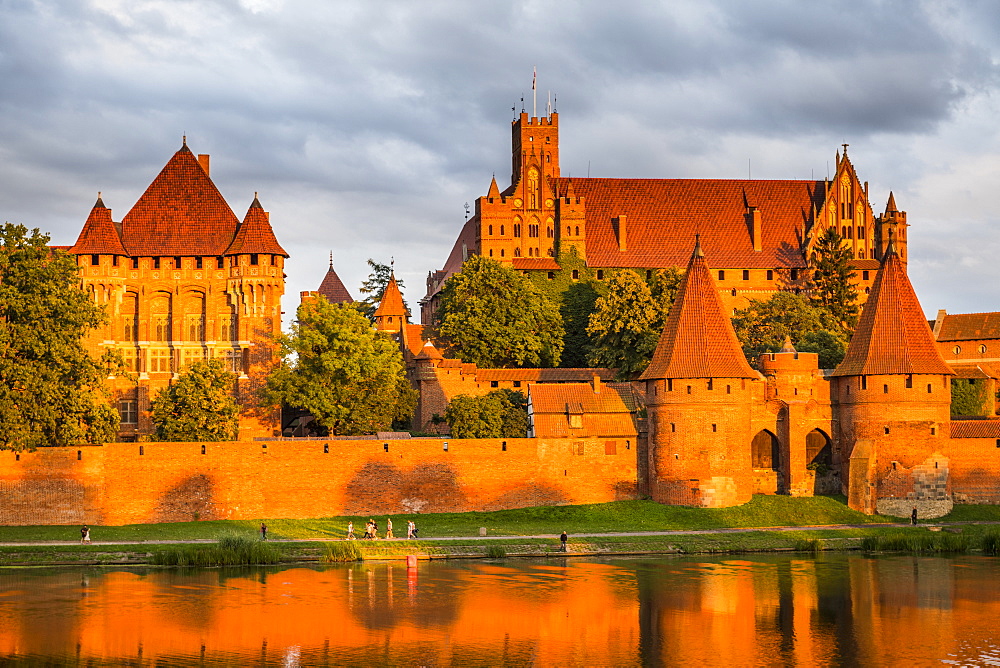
(255, 234)
(181, 213)
(544, 375)
(698, 340)
(988, 428)
(969, 327)
(553, 398)
(99, 234)
(892, 336)
(537, 264)
(661, 215)
(333, 288)
(392, 301)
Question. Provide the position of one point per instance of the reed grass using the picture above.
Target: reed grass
(495, 551)
(229, 550)
(341, 551)
(989, 542)
(917, 543)
(809, 545)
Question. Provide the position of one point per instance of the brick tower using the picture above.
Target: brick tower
(183, 280)
(893, 390)
(699, 397)
(390, 316)
(891, 228)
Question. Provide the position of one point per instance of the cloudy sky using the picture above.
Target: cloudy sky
(367, 125)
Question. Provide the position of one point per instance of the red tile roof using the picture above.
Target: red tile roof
(985, 428)
(544, 375)
(333, 288)
(255, 234)
(605, 413)
(969, 327)
(99, 234)
(661, 215)
(392, 300)
(181, 213)
(698, 340)
(535, 264)
(892, 336)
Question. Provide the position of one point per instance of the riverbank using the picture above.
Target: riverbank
(767, 523)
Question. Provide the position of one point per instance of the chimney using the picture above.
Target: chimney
(938, 322)
(597, 383)
(755, 228)
(203, 161)
(619, 225)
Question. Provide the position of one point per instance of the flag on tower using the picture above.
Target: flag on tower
(534, 75)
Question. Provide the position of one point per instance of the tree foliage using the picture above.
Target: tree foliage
(764, 324)
(198, 406)
(374, 287)
(349, 376)
(830, 284)
(969, 398)
(51, 389)
(627, 321)
(494, 317)
(498, 414)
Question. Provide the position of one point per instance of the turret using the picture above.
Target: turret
(891, 228)
(893, 388)
(699, 391)
(390, 316)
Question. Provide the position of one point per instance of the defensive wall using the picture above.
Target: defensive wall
(126, 483)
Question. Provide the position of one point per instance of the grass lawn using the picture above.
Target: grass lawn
(618, 516)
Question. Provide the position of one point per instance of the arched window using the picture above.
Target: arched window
(517, 252)
(490, 231)
(502, 231)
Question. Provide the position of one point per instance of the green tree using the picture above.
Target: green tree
(349, 376)
(494, 317)
(51, 389)
(764, 324)
(374, 287)
(830, 283)
(969, 398)
(498, 414)
(626, 323)
(199, 406)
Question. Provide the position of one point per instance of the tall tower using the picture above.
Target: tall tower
(893, 389)
(891, 228)
(699, 395)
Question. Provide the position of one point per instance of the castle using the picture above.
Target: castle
(762, 230)
(183, 280)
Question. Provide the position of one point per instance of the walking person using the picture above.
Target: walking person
(562, 540)
(263, 531)
(350, 531)
(388, 529)
(409, 530)
(85, 534)
(913, 516)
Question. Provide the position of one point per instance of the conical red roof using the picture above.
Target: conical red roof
(892, 335)
(99, 234)
(255, 234)
(392, 301)
(333, 288)
(181, 213)
(698, 340)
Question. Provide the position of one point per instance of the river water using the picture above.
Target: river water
(831, 610)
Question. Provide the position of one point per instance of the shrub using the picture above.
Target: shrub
(990, 542)
(809, 545)
(495, 551)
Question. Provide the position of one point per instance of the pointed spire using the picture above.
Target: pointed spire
(332, 288)
(698, 340)
(391, 307)
(99, 236)
(892, 335)
(890, 206)
(494, 191)
(787, 346)
(569, 188)
(255, 234)
(698, 252)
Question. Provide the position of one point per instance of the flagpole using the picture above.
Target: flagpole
(534, 92)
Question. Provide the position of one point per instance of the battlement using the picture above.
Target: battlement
(797, 362)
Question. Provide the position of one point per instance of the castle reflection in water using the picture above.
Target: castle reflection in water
(761, 610)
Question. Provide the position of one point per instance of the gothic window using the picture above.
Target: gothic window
(130, 359)
(501, 252)
(517, 252)
(489, 231)
(517, 230)
(568, 231)
(192, 355)
(160, 327)
(861, 254)
(227, 327)
(195, 326)
(159, 360)
(130, 317)
(502, 231)
(533, 188)
(548, 232)
(233, 360)
(861, 233)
